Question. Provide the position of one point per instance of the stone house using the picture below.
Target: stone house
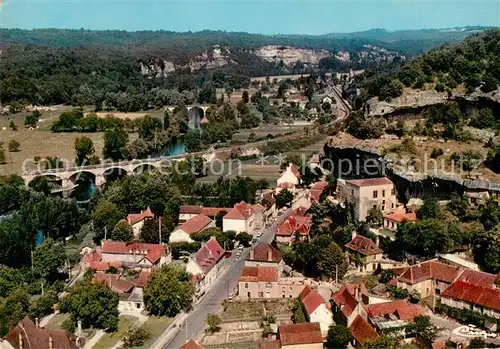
(136, 220)
(259, 216)
(301, 336)
(393, 220)
(363, 253)
(194, 225)
(269, 204)
(366, 194)
(186, 212)
(265, 255)
(291, 175)
(292, 227)
(241, 218)
(479, 298)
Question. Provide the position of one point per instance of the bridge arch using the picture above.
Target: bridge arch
(114, 172)
(53, 177)
(195, 115)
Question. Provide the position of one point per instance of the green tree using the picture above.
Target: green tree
(338, 337)
(150, 230)
(244, 96)
(244, 239)
(149, 126)
(122, 231)
(48, 259)
(105, 216)
(10, 279)
(385, 342)
(213, 322)
(192, 141)
(84, 148)
(458, 206)
(332, 262)
(44, 305)
(14, 145)
(484, 119)
(94, 304)
(161, 303)
(12, 125)
(298, 315)
(375, 216)
(429, 209)
(32, 119)
(135, 337)
(284, 198)
(13, 309)
(387, 275)
(115, 144)
(424, 330)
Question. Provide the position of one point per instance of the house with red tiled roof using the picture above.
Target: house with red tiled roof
(304, 336)
(366, 194)
(269, 203)
(196, 224)
(364, 253)
(362, 332)
(316, 308)
(123, 254)
(260, 218)
(192, 344)
(292, 227)
(206, 264)
(136, 220)
(241, 218)
(270, 344)
(471, 296)
(130, 291)
(393, 220)
(265, 255)
(298, 100)
(347, 305)
(186, 212)
(291, 176)
(316, 191)
(29, 335)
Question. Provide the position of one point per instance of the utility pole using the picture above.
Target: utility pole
(105, 233)
(336, 274)
(159, 229)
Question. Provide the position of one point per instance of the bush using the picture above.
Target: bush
(14, 145)
(436, 152)
(135, 337)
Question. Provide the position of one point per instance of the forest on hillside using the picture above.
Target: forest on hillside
(475, 63)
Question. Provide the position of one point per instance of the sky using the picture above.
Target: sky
(257, 16)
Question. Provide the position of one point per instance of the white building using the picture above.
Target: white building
(290, 175)
(317, 309)
(136, 220)
(241, 218)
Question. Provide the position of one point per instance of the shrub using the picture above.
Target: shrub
(436, 152)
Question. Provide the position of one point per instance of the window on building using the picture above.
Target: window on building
(246, 284)
(392, 205)
(392, 192)
(383, 193)
(249, 295)
(352, 192)
(268, 285)
(138, 305)
(375, 194)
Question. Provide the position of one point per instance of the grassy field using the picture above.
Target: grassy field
(56, 321)
(254, 311)
(264, 131)
(155, 327)
(110, 339)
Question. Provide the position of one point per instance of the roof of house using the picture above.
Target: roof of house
(303, 333)
(134, 218)
(295, 224)
(34, 337)
(152, 252)
(369, 182)
(300, 211)
(487, 297)
(478, 277)
(364, 246)
(263, 251)
(268, 200)
(195, 224)
(214, 211)
(311, 299)
(429, 270)
(241, 211)
(190, 209)
(294, 170)
(208, 255)
(275, 344)
(315, 159)
(344, 300)
(321, 185)
(299, 98)
(115, 282)
(192, 344)
(143, 278)
(286, 185)
(258, 207)
(362, 331)
(399, 216)
(93, 260)
(401, 308)
(259, 274)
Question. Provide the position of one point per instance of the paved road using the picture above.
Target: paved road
(193, 323)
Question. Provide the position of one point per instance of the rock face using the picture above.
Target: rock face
(290, 55)
(213, 58)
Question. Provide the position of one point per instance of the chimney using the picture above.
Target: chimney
(356, 293)
(51, 342)
(353, 234)
(269, 254)
(37, 323)
(20, 338)
(251, 254)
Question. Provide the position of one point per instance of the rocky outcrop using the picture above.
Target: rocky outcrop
(290, 55)
(213, 58)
